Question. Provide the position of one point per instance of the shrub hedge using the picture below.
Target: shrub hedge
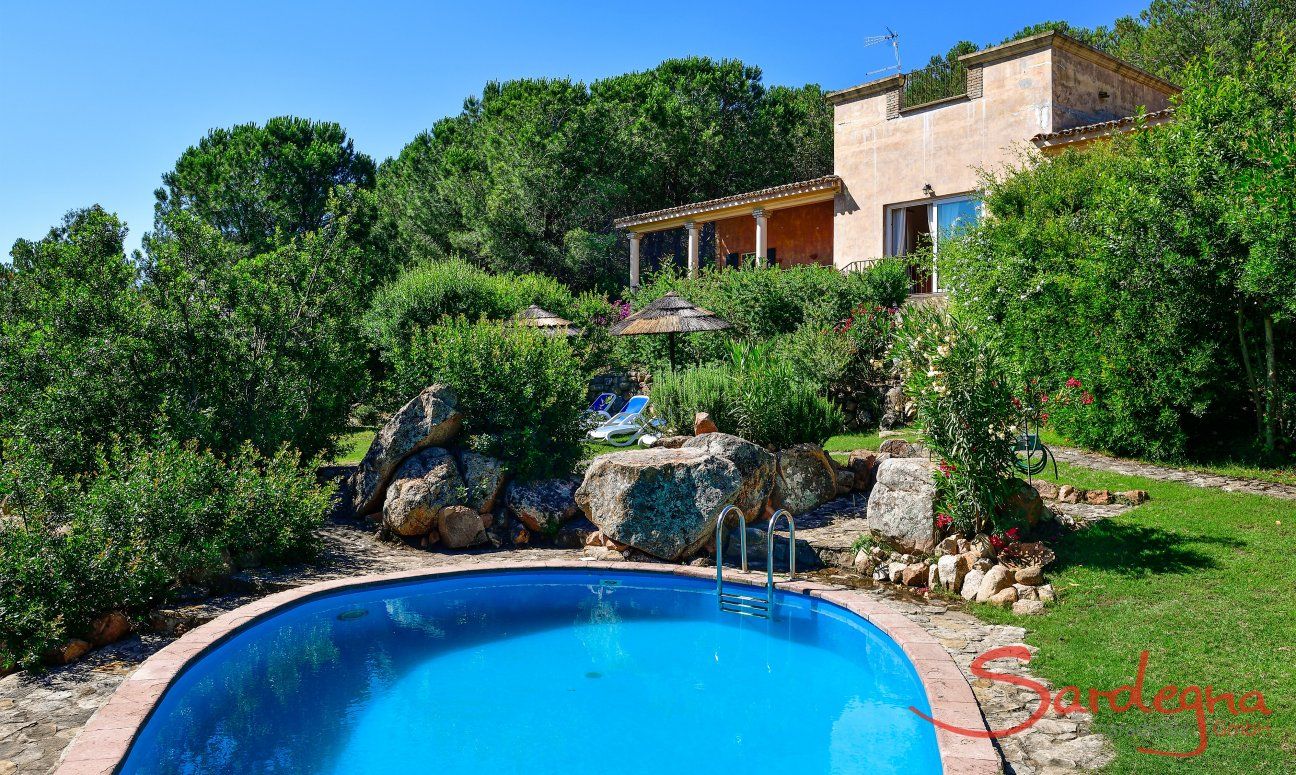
(153, 516)
(522, 392)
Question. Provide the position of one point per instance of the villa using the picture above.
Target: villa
(906, 174)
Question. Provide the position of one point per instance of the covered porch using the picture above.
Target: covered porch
(782, 226)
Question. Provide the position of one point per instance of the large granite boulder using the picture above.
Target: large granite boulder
(420, 489)
(483, 478)
(901, 509)
(808, 478)
(660, 501)
(428, 420)
(543, 506)
(755, 466)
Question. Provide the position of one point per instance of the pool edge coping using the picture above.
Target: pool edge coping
(102, 744)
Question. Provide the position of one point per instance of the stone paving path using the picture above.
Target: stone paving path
(1101, 462)
(40, 715)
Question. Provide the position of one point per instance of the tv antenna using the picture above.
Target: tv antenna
(894, 39)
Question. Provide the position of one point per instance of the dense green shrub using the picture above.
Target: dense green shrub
(965, 404)
(521, 392)
(764, 303)
(678, 395)
(428, 293)
(151, 516)
(76, 365)
(754, 395)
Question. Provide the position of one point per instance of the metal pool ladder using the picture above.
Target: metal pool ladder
(746, 604)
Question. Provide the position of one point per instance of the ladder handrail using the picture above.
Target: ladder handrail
(769, 550)
(742, 540)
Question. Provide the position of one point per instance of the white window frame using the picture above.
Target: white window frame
(894, 222)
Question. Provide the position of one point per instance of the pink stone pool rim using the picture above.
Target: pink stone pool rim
(102, 745)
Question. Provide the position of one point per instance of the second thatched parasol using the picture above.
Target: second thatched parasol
(670, 315)
(546, 321)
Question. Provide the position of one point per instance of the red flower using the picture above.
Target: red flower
(1086, 399)
(1013, 533)
(1073, 383)
(1043, 398)
(997, 541)
(946, 468)
(944, 520)
(1043, 416)
(1017, 404)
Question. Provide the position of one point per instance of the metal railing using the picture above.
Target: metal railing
(746, 604)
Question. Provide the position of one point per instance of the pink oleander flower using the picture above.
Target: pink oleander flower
(944, 520)
(1087, 399)
(1013, 533)
(1074, 383)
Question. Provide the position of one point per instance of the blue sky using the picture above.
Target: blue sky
(99, 99)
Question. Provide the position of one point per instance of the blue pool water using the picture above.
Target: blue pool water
(562, 671)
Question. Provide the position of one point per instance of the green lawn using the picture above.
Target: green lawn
(1223, 467)
(1203, 580)
(352, 447)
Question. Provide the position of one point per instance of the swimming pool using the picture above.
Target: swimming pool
(543, 670)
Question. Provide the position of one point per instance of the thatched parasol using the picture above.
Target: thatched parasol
(547, 322)
(670, 315)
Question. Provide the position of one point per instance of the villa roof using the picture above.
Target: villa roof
(1051, 39)
(786, 195)
(1089, 132)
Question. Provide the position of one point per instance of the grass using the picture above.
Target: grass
(1202, 579)
(352, 447)
(838, 446)
(1238, 468)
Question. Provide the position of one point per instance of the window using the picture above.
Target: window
(912, 227)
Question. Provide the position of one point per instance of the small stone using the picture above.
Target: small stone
(953, 568)
(1069, 494)
(1028, 608)
(914, 575)
(702, 423)
(972, 584)
(995, 581)
(522, 537)
(1045, 489)
(1098, 497)
(1025, 592)
(461, 527)
(109, 628)
(1032, 576)
(864, 563)
(71, 651)
(1132, 497)
(701, 562)
(1004, 598)
(948, 545)
(595, 538)
(895, 571)
(981, 546)
(933, 577)
(1046, 593)
(984, 564)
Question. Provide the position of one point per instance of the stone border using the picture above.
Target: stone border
(104, 742)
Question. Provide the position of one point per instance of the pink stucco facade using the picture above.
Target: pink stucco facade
(888, 155)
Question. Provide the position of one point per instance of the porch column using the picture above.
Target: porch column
(634, 259)
(762, 236)
(692, 248)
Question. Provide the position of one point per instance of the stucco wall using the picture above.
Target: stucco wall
(1077, 82)
(798, 235)
(884, 162)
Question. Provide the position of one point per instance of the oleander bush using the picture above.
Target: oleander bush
(522, 392)
(964, 394)
(153, 516)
